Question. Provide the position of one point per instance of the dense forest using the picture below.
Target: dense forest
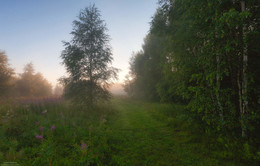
(204, 54)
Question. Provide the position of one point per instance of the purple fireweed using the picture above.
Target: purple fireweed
(83, 145)
(41, 128)
(53, 127)
(38, 101)
(39, 137)
(44, 112)
(90, 128)
(37, 123)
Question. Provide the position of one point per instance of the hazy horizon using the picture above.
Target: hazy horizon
(33, 31)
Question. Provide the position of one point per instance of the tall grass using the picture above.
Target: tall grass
(124, 132)
(51, 132)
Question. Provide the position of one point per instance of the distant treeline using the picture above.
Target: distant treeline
(204, 54)
(27, 84)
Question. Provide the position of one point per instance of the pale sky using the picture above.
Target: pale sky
(33, 31)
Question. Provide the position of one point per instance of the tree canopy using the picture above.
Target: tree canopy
(87, 59)
(204, 54)
(6, 74)
(31, 84)
(26, 84)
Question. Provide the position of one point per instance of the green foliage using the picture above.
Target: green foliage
(124, 132)
(59, 145)
(202, 63)
(31, 84)
(146, 70)
(27, 84)
(6, 74)
(87, 59)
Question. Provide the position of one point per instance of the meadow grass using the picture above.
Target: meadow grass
(53, 134)
(122, 132)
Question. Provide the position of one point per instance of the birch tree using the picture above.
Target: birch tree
(87, 59)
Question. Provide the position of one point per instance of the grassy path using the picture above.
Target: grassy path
(141, 135)
(123, 132)
(140, 139)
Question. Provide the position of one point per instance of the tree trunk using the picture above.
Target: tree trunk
(242, 122)
(244, 77)
(220, 108)
(91, 83)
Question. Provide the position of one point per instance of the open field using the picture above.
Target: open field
(123, 132)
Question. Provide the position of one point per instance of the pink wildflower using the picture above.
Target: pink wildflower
(90, 128)
(39, 137)
(41, 128)
(44, 112)
(83, 145)
(37, 123)
(53, 127)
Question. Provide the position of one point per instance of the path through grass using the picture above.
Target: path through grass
(143, 134)
(138, 138)
(124, 132)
